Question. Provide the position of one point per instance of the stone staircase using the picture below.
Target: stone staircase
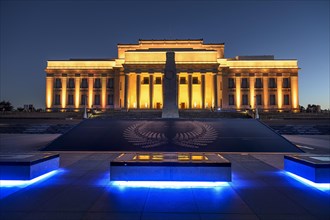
(154, 114)
(302, 129)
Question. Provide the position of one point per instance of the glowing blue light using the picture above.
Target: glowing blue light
(168, 184)
(23, 183)
(320, 186)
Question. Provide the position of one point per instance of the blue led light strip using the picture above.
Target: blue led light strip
(168, 184)
(23, 183)
(321, 186)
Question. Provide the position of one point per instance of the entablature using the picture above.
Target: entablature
(82, 64)
(258, 64)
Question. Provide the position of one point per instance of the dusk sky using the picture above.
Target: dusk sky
(33, 32)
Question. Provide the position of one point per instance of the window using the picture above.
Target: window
(110, 99)
(110, 83)
(286, 82)
(96, 99)
(97, 83)
(258, 100)
(244, 83)
(258, 83)
(231, 100)
(84, 83)
(158, 80)
(183, 80)
(145, 80)
(195, 80)
(70, 99)
(231, 83)
(272, 83)
(58, 83)
(83, 100)
(57, 99)
(272, 100)
(286, 100)
(245, 99)
(71, 83)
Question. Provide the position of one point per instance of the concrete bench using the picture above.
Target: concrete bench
(27, 166)
(314, 168)
(170, 167)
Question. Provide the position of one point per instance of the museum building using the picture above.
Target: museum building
(205, 79)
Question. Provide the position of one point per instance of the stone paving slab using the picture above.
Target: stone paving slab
(257, 191)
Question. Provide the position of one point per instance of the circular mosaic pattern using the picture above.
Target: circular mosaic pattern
(200, 134)
(189, 134)
(145, 135)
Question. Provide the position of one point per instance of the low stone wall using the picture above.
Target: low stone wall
(41, 115)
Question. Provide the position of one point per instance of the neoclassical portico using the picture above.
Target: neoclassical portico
(205, 79)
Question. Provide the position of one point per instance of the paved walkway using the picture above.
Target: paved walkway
(81, 190)
(317, 144)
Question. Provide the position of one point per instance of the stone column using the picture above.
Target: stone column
(90, 91)
(64, 93)
(238, 92)
(151, 91)
(265, 93)
(77, 92)
(126, 91)
(279, 92)
(178, 89)
(294, 93)
(190, 90)
(138, 90)
(103, 92)
(215, 90)
(252, 92)
(49, 91)
(203, 90)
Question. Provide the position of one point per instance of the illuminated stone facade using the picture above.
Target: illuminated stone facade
(205, 79)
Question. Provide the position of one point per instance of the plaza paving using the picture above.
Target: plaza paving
(81, 190)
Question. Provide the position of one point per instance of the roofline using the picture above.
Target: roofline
(162, 40)
(193, 39)
(84, 59)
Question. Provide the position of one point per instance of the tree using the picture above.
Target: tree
(6, 106)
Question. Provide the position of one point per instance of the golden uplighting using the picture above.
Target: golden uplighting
(202, 74)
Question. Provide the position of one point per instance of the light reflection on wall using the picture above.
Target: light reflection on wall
(320, 186)
(144, 91)
(196, 92)
(157, 92)
(10, 186)
(183, 100)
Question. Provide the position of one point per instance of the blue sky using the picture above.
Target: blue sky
(33, 32)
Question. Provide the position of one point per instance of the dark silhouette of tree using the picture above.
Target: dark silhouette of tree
(6, 106)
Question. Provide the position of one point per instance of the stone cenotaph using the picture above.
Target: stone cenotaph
(170, 88)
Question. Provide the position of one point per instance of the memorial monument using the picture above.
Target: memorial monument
(170, 107)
